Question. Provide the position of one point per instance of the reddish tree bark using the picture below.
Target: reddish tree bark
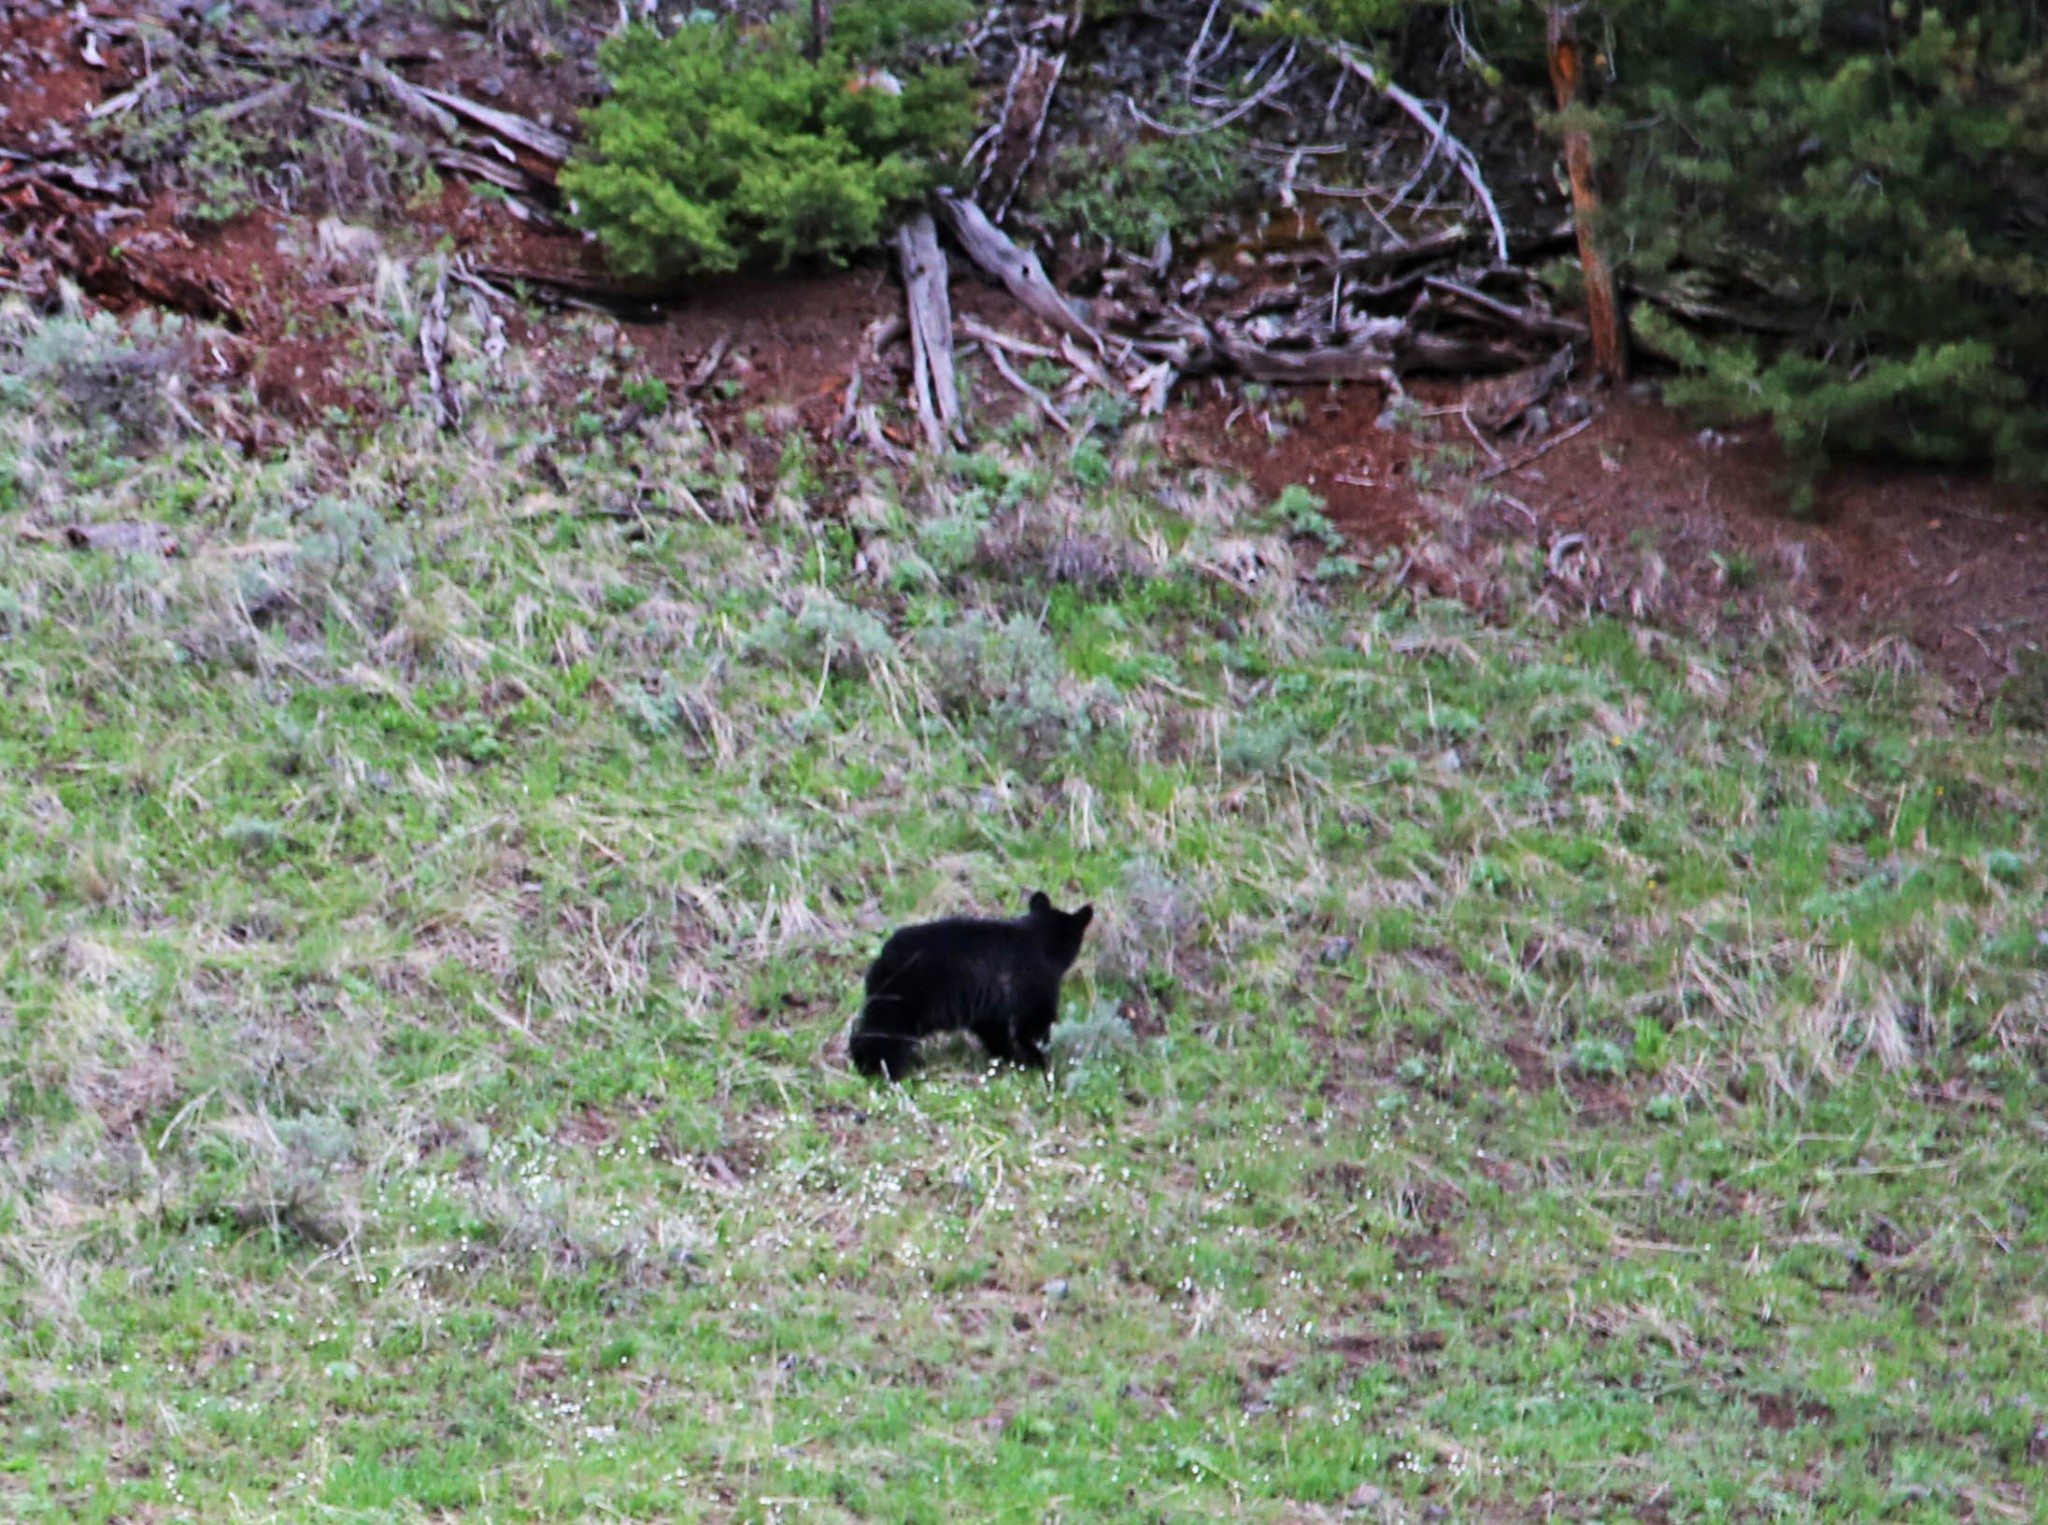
(1603, 310)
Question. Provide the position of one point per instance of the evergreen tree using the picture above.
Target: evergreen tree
(1866, 181)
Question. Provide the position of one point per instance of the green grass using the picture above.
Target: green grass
(1576, 1074)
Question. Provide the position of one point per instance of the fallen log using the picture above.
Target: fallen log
(124, 537)
(409, 96)
(111, 182)
(505, 176)
(1363, 358)
(1456, 355)
(634, 303)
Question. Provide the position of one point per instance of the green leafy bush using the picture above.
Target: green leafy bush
(721, 145)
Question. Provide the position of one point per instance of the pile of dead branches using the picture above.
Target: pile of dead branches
(1431, 287)
(100, 207)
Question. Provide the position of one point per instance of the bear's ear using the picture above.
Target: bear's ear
(1040, 905)
(1082, 917)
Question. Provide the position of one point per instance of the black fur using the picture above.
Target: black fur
(999, 980)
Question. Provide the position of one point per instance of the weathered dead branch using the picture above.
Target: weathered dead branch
(1441, 139)
(1527, 457)
(434, 349)
(1034, 395)
(529, 135)
(1493, 405)
(1018, 269)
(933, 389)
(1012, 141)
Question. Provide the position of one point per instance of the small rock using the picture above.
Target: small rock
(1336, 950)
(1710, 439)
(490, 87)
(1365, 1496)
(1056, 1290)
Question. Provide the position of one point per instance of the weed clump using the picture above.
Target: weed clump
(1169, 187)
(1084, 1049)
(1010, 674)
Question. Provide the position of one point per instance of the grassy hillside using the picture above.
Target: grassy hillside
(1521, 1069)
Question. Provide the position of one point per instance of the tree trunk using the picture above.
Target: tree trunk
(821, 28)
(1603, 312)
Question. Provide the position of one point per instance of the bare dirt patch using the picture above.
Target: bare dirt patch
(1949, 561)
(1327, 441)
(1953, 563)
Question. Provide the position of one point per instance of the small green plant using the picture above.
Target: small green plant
(722, 146)
(1738, 569)
(1099, 1039)
(1298, 511)
(217, 172)
(1599, 1059)
(111, 375)
(1049, 375)
(650, 393)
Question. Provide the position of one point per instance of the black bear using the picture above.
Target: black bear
(999, 980)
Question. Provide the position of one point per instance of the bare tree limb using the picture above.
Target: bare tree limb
(701, 374)
(1530, 455)
(1032, 394)
(1280, 81)
(1013, 139)
(1525, 318)
(1461, 156)
(514, 129)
